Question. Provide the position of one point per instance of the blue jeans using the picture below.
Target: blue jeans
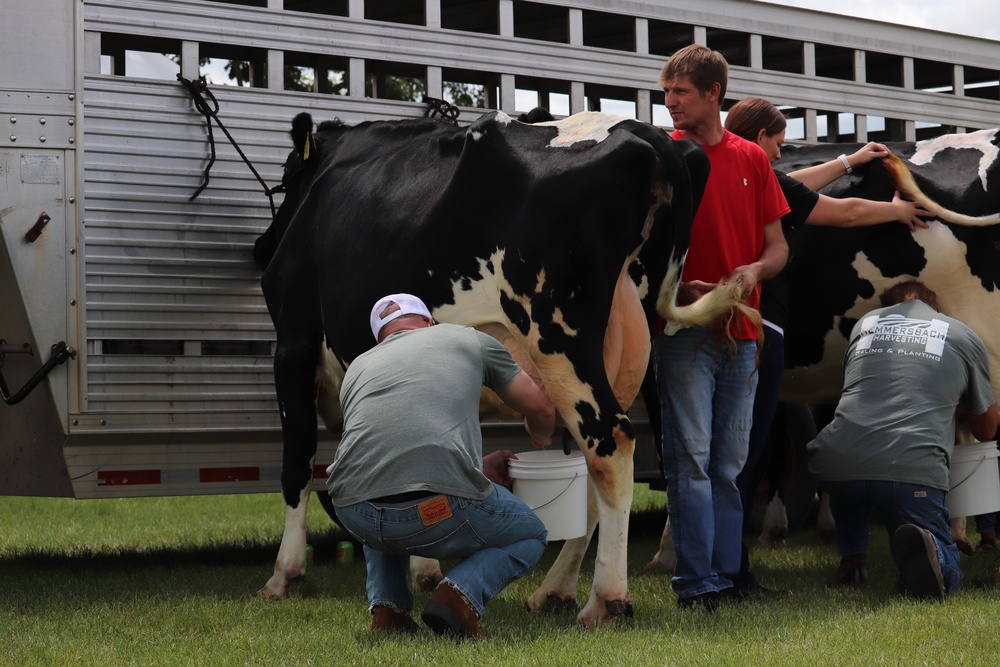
(896, 503)
(497, 540)
(706, 404)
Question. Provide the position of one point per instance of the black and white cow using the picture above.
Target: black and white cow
(837, 277)
(837, 274)
(565, 240)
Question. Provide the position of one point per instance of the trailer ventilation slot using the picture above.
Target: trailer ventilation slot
(163, 348)
(179, 348)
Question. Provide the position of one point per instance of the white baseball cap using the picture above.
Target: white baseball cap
(408, 305)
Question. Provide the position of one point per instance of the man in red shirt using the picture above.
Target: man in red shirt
(706, 388)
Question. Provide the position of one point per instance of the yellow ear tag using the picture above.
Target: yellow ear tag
(305, 151)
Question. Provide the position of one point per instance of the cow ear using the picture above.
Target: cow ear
(302, 127)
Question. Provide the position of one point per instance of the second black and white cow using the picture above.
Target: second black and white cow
(837, 274)
(565, 240)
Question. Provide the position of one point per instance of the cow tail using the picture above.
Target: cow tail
(903, 180)
(722, 302)
(719, 306)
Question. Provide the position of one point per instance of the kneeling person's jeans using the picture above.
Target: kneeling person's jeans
(852, 500)
(498, 539)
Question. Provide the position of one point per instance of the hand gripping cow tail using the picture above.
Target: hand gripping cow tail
(722, 302)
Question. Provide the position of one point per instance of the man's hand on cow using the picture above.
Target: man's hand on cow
(910, 213)
(496, 467)
(867, 153)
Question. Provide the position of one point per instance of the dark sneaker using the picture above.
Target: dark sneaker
(706, 601)
(754, 591)
(987, 545)
(732, 596)
(853, 571)
(449, 612)
(922, 576)
(389, 619)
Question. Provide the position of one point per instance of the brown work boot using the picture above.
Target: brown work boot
(922, 577)
(390, 619)
(853, 571)
(450, 612)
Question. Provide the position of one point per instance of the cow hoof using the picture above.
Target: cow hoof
(618, 608)
(427, 582)
(555, 604)
(657, 568)
(269, 594)
(964, 546)
(281, 587)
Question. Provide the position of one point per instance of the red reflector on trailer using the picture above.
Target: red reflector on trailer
(319, 472)
(127, 477)
(245, 474)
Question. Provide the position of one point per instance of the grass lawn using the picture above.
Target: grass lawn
(172, 581)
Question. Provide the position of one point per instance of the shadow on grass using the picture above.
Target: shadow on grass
(217, 554)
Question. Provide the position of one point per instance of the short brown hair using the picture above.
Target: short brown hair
(751, 115)
(909, 290)
(700, 64)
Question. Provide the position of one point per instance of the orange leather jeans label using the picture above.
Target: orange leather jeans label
(434, 510)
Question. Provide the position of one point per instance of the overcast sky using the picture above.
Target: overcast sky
(978, 18)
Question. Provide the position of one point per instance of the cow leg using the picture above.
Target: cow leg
(290, 566)
(625, 350)
(425, 573)
(295, 381)
(613, 478)
(665, 559)
(958, 534)
(610, 472)
(775, 528)
(558, 591)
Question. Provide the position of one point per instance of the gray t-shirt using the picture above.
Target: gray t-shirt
(411, 415)
(906, 369)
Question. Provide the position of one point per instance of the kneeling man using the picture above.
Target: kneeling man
(409, 475)
(906, 370)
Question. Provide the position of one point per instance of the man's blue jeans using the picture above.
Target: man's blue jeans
(706, 403)
(498, 539)
(896, 503)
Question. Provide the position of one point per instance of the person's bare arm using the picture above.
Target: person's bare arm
(857, 212)
(821, 175)
(984, 426)
(524, 396)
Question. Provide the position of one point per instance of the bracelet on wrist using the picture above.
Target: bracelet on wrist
(847, 165)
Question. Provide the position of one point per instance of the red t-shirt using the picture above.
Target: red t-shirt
(742, 195)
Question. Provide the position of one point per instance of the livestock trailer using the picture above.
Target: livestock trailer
(135, 346)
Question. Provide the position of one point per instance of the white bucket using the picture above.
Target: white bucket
(554, 486)
(974, 481)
